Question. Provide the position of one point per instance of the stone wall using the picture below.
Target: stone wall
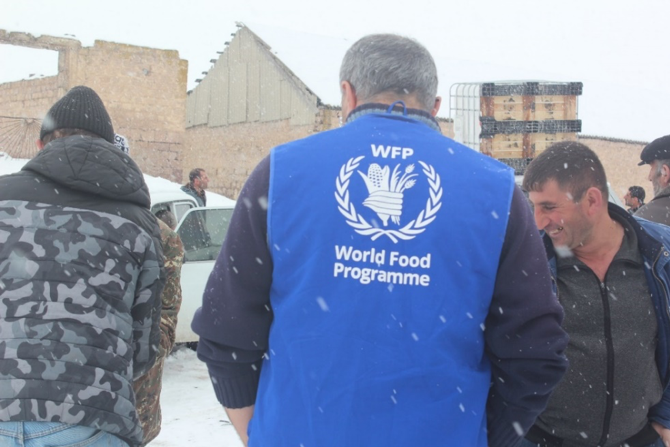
(144, 91)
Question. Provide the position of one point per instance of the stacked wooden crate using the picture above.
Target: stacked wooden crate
(519, 120)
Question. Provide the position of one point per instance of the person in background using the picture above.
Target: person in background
(148, 387)
(348, 306)
(634, 198)
(167, 217)
(81, 276)
(657, 155)
(613, 275)
(197, 183)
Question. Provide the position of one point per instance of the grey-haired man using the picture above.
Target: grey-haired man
(349, 307)
(657, 155)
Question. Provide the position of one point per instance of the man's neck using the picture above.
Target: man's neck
(377, 108)
(599, 251)
(664, 191)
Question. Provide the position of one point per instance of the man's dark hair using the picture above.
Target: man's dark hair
(195, 173)
(64, 133)
(574, 166)
(637, 192)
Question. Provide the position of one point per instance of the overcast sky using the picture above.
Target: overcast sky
(619, 50)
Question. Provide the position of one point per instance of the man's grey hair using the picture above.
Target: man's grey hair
(659, 167)
(388, 63)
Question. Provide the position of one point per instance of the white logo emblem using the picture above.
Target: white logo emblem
(385, 197)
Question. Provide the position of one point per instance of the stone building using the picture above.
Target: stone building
(144, 90)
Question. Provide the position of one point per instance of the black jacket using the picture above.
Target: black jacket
(81, 273)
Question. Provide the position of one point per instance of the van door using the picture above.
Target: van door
(202, 231)
(176, 207)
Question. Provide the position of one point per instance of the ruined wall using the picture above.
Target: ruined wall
(144, 91)
(620, 159)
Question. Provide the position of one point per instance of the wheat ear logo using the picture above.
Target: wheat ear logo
(385, 197)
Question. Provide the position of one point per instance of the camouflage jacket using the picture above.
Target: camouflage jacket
(81, 273)
(148, 387)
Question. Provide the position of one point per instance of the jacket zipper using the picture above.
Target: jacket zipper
(609, 404)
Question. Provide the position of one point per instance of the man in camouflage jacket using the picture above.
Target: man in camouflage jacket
(148, 387)
(81, 273)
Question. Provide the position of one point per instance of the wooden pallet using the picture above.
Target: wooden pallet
(529, 108)
(522, 145)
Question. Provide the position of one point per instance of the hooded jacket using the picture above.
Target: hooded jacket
(81, 273)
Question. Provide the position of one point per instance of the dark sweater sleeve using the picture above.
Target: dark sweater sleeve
(234, 320)
(524, 338)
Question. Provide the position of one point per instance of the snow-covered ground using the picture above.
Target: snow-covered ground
(191, 414)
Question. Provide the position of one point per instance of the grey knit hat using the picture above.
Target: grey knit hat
(80, 108)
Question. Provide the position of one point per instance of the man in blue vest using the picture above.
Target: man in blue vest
(350, 306)
(612, 272)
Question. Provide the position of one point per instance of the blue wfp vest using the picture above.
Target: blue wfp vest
(385, 238)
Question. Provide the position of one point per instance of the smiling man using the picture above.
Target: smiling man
(612, 275)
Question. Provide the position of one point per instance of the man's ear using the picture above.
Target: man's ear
(665, 173)
(436, 107)
(349, 99)
(40, 144)
(594, 198)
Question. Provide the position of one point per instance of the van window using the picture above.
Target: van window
(202, 233)
(180, 209)
(160, 207)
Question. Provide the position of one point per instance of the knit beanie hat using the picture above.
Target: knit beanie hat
(80, 108)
